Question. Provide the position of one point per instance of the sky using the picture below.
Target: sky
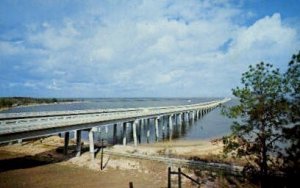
(142, 48)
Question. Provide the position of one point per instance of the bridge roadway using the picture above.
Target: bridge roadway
(18, 126)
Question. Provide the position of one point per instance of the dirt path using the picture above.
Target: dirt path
(61, 175)
(41, 164)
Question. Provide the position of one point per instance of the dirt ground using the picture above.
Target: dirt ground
(41, 163)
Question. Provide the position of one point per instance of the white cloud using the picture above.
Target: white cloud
(182, 48)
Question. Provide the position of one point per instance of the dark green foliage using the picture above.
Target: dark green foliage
(291, 157)
(267, 127)
(259, 117)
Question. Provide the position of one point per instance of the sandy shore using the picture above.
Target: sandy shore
(39, 163)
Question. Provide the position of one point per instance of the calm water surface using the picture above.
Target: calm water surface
(211, 125)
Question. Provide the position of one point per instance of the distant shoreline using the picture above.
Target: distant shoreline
(37, 104)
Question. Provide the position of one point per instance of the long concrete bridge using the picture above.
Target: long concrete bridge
(18, 126)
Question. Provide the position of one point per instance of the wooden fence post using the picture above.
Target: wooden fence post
(102, 148)
(179, 178)
(169, 177)
(130, 185)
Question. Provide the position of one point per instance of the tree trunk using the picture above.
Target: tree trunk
(263, 165)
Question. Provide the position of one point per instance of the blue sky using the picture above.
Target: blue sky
(161, 48)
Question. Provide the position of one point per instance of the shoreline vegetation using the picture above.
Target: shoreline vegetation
(14, 102)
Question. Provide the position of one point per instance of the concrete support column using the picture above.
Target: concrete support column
(134, 124)
(170, 122)
(180, 124)
(148, 134)
(124, 133)
(156, 129)
(75, 135)
(78, 143)
(67, 137)
(170, 127)
(141, 129)
(106, 132)
(141, 122)
(163, 124)
(20, 141)
(115, 133)
(92, 148)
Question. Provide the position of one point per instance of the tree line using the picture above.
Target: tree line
(8, 102)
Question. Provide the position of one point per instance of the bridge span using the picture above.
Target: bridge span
(18, 126)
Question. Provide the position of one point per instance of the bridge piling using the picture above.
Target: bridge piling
(106, 132)
(187, 116)
(181, 116)
(140, 131)
(163, 123)
(67, 137)
(75, 135)
(91, 139)
(19, 141)
(115, 133)
(78, 143)
(156, 129)
(124, 133)
(170, 122)
(134, 124)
